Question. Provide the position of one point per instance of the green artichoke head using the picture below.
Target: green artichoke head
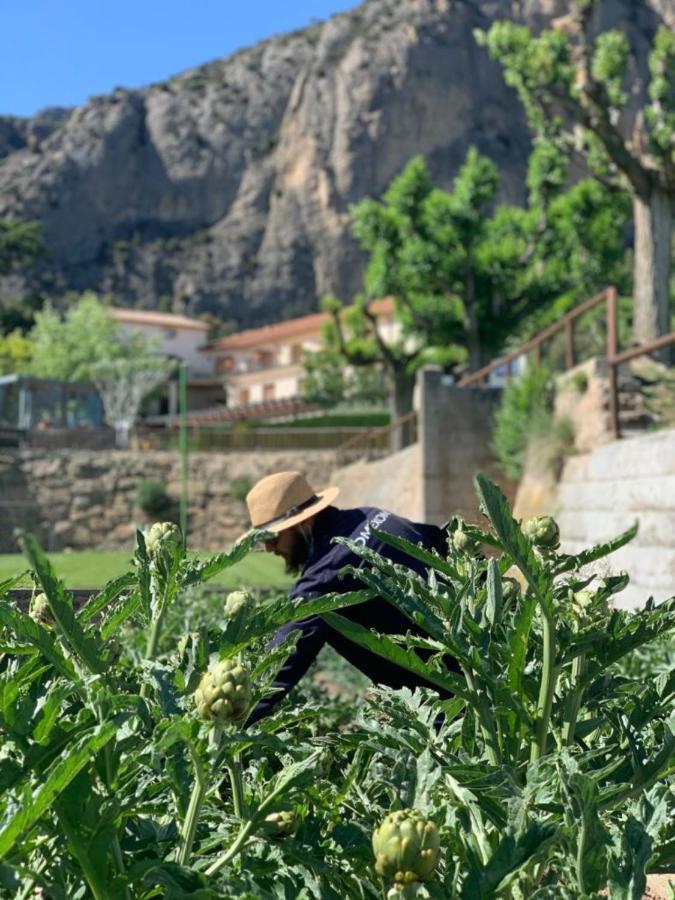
(160, 536)
(510, 590)
(237, 601)
(224, 693)
(543, 531)
(462, 542)
(40, 611)
(281, 824)
(406, 847)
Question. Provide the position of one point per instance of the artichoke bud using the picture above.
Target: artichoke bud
(162, 536)
(281, 824)
(462, 542)
(40, 611)
(581, 602)
(237, 601)
(324, 762)
(510, 590)
(224, 692)
(543, 531)
(402, 892)
(406, 847)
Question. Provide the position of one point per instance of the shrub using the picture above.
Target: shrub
(579, 382)
(240, 487)
(525, 414)
(152, 497)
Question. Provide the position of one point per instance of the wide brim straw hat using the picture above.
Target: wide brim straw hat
(285, 499)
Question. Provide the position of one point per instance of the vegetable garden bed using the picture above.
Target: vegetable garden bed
(126, 769)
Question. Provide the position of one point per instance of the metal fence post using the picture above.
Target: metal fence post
(612, 347)
(183, 443)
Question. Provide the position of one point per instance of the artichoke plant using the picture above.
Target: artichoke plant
(543, 531)
(406, 847)
(224, 693)
(162, 535)
(237, 601)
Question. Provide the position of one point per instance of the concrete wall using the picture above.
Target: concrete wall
(602, 493)
(85, 499)
(391, 483)
(455, 428)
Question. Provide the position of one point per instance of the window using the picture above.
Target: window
(225, 364)
(169, 333)
(268, 392)
(296, 353)
(244, 396)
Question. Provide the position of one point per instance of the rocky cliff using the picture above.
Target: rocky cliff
(227, 189)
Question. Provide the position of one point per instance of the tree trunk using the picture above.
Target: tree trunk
(471, 319)
(400, 404)
(651, 268)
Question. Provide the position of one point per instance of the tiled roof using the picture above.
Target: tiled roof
(253, 337)
(161, 319)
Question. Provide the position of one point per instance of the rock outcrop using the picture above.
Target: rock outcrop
(228, 188)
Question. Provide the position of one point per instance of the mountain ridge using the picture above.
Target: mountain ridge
(227, 188)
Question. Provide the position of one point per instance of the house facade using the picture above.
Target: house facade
(265, 364)
(183, 339)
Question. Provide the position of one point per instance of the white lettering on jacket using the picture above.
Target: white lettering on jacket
(375, 522)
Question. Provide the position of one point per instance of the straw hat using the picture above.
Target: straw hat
(282, 500)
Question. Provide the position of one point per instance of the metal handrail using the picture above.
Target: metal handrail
(373, 436)
(565, 323)
(616, 359)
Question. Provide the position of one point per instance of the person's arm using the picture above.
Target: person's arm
(311, 640)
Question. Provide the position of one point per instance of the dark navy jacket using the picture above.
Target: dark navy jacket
(320, 576)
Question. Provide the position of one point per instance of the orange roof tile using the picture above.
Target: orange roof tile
(311, 324)
(151, 317)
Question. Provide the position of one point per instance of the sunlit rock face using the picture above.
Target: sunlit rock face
(228, 188)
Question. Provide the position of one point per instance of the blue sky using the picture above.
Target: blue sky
(59, 52)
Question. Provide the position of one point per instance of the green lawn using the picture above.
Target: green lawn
(92, 568)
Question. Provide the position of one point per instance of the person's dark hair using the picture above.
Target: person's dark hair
(298, 553)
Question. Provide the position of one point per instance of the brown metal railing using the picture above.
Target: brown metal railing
(566, 324)
(615, 359)
(376, 441)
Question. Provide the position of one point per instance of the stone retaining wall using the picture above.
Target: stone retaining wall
(83, 499)
(602, 493)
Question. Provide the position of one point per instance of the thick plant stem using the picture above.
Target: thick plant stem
(486, 724)
(245, 832)
(230, 854)
(573, 700)
(237, 783)
(153, 637)
(546, 688)
(118, 859)
(189, 828)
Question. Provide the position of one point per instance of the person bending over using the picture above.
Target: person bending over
(304, 523)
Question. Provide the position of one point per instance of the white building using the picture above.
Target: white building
(264, 364)
(183, 339)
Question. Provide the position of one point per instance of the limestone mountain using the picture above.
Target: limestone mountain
(227, 188)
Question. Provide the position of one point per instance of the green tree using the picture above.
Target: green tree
(577, 91)
(465, 278)
(65, 347)
(328, 382)
(16, 352)
(20, 243)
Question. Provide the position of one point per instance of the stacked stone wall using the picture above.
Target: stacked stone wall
(86, 499)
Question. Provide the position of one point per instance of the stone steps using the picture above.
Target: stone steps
(604, 492)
